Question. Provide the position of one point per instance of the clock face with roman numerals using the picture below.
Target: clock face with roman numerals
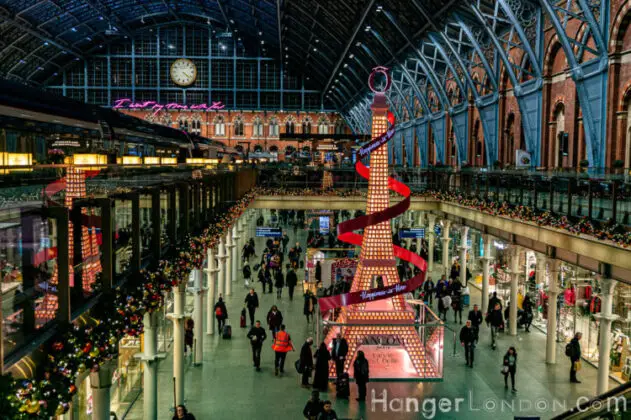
(183, 72)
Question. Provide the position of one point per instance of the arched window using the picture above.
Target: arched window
(220, 126)
(339, 127)
(290, 126)
(196, 125)
(561, 138)
(273, 127)
(257, 127)
(165, 119)
(182, 123)
(238, 127)
(323, 126)
(306, 125)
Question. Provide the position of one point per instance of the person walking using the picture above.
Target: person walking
(361, 372)
(467, 339)
(496, 320)
(221, 313)
(310, 304)
(189, 335)
(428, 291)
(268, 277)
(456, 305)
(510, 367)
(279, 282)
(573, 351)
(475, 316)
(274, 320)
(493, 301)
(291, 280)
(444, 302)
(261, 276)
(282, 345)
(321, 377)
(181, 413)
(526, 315)
(339, 352)
(251, 302)
(285, 241)
(247, 273)
(318, 272)
(327, 412)
(441, 286)
(314, 406)
(257, 335)
(306, 362)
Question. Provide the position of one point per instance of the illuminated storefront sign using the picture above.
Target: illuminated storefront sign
(127, 103)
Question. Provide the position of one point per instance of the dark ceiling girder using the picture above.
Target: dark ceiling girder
(350, 42)
(62, 45)
(225, 16)
(279, 20)
(109, 15)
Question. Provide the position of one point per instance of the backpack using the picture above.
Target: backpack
(218, 311)
(568, 349)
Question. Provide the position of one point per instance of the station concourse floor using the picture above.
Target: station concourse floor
(227, 387)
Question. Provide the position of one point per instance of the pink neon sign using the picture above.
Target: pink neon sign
(156, 107)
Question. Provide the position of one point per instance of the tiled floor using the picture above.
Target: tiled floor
(226, 387)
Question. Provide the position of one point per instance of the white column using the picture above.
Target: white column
(198, 318)
(606, 317)
(446, 239)
(553, 294)
(420, 219)
(242, 232)
(486, 262)
(101, 384)
(179, 296)
(211, 280)
(235, 252)
(430, 241)
(514, 268)
(463, 255)
(228, 265)
(221, 280)
(149, 359)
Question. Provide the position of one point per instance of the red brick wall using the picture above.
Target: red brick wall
(266, 141)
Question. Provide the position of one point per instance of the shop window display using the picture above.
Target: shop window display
(578, 301)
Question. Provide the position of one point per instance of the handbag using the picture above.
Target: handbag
(504, 370)
(577, 365)
(299, 367)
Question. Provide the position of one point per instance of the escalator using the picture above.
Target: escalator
(612, 405)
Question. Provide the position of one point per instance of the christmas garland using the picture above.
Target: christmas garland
(607, 231)
(77, 349)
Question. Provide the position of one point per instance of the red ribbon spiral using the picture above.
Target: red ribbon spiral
(346, 229)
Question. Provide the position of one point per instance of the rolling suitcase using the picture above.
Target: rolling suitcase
(242, 321)
(342, 386)
(227, 331)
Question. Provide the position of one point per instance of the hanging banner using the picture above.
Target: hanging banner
(372, 295)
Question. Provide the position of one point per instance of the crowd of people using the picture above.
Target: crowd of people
(316, 368)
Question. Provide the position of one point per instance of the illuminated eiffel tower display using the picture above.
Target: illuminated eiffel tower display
(391, 320)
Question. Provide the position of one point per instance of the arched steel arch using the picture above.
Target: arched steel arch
(528, 93)
(590, 77)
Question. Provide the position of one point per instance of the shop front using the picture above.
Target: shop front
(577, 305)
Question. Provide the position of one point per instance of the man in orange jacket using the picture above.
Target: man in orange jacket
(282, 344)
